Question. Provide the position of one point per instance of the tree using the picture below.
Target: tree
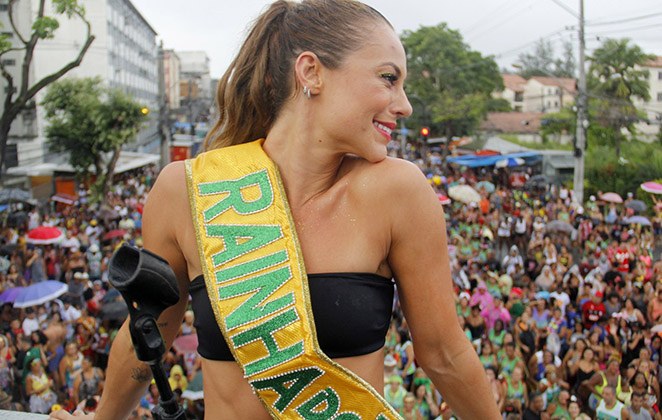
(542, 61)
(91, 123)
(614, 80)
(449, 85)
(21, 92)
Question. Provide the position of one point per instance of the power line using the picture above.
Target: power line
(632, 19)
(548, 37)
(638, 28)
(501, 22)
(489, 16)
(566, 8)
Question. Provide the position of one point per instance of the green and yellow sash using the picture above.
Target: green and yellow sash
(257, 285)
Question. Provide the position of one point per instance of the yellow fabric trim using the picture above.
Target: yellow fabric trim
(257, 285)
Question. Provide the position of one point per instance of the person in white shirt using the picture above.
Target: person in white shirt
(609, 408)
(30, 323)
(69, 316)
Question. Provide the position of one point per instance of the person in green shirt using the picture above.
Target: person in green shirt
(558, 410)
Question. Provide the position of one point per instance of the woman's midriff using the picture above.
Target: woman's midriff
(228, 395)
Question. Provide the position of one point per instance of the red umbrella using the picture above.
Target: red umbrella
(115, 233)
(45, 235)
(443, 199)
(186, 343)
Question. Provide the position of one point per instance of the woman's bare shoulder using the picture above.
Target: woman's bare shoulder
(391, 175)
(170, 185)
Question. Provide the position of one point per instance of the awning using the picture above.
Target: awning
(475, 161)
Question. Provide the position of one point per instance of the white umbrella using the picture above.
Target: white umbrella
(464, 193)
(508, 162)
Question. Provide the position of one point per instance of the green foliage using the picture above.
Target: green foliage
(498, 105)
(542, 61)
(614, 80)
(5, 43)
(562, 122)
(448, 84)
(513, 138)
(640, 162)
(90, 121)
(69, 7)
(45, 27)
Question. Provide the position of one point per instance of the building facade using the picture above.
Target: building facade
(537, 94)
(124, 55)
(195, 89)
(172, 77)
(652, 108)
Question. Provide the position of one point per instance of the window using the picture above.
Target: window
(659, 75)
(659, 96)
(8, 62)
(4, 7)
(519, 96)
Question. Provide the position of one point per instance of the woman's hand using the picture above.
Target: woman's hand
(65, 415)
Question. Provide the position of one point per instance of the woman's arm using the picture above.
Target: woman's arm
(126, 377)
(419, 259)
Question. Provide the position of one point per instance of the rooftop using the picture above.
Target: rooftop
(512, 122)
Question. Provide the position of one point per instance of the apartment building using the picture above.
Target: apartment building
(124, 55)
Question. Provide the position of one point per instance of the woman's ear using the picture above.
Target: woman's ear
(308, 71)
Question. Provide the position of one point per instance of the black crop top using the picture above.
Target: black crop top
(352, 313)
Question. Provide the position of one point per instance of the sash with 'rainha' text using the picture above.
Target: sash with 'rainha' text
(258, 289)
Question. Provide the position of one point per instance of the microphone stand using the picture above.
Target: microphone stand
(148, 286)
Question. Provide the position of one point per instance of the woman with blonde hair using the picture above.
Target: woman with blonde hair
(296, 170)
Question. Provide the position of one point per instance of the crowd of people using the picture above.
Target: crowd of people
(567, 323)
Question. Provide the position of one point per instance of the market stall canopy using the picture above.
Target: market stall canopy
(475, 161)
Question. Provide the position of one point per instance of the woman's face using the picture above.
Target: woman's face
(588, 355)
(361, 101)
(72, 349)
(628, 305)
(517, 374)
(420, 391)
(573, 409)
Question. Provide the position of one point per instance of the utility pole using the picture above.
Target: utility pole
(163, 112)
(580, 143)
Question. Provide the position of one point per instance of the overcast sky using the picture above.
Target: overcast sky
(501, 28)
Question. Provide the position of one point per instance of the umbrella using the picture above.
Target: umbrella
(652, 187)
(63, 198)
(186, 343)
(45, 235)
(39, 293)
(464, 193)
(9, 295)
(559, 226)
(114, 311)
(611, 197)
(443, 199)
(637, 205)
(115, 233)
(508, 162)
(13, 195)
(638, 220)
(538, 181)
(486, 185)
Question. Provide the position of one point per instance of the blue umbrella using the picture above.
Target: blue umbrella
(638, 220)
(10, 294)
(39, 293)
(486, 185)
